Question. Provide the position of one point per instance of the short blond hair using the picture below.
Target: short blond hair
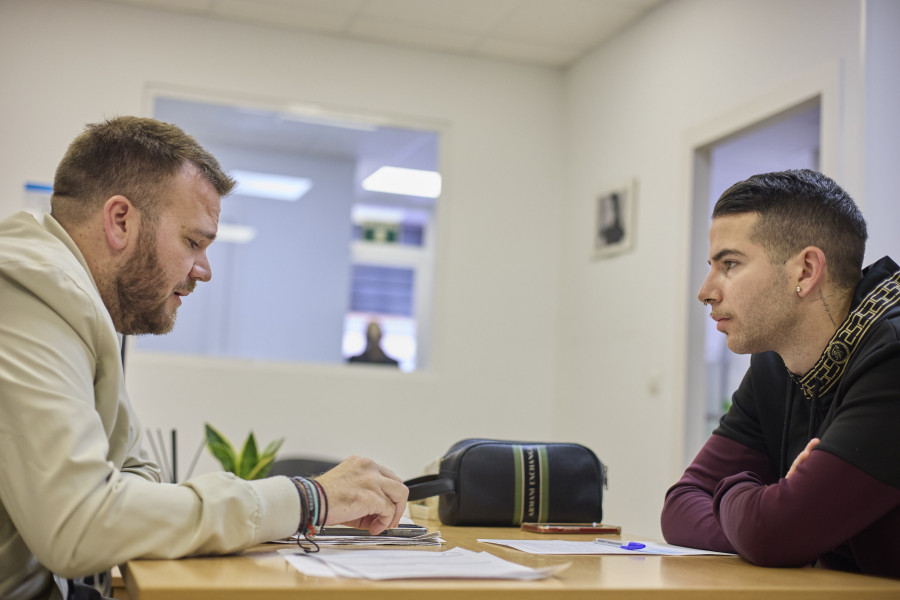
(130, 156)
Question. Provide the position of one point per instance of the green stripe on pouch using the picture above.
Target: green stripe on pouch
(519, 487)
(545, 483)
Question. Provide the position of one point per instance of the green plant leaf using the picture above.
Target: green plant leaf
(272, 448)
(225, 455)
(213, 436)
(262, 468)
(266, 459)
(249, 457)
(249, 464)
(221, 449)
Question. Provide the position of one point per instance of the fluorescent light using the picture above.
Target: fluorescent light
(407, 182)
(273, 187)
(238, 234)
(329, 122)
(315, 115)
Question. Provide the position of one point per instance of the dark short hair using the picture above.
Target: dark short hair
(131, 156)
(800, 208)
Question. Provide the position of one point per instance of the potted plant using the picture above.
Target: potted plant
(250, 463)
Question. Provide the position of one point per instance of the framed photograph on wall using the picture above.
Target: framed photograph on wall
(614, 223)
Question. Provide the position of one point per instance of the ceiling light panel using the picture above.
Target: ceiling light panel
(270, 186)
(405, 182)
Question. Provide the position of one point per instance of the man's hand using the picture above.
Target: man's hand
(802, 456)
(364, 494)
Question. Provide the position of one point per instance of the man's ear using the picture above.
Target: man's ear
(120, 222)
(810, 267)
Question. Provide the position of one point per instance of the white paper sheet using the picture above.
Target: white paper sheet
(429, 539)
(599, 546)
(456, 563)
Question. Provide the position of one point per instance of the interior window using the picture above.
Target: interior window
(314, 244)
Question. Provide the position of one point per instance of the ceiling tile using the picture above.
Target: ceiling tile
(580, 22)
(304, 15)
(542, 32)
(421, 37)
(186, 6)
(543, 55)
(472, 16)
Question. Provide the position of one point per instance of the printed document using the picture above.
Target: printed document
(456, 563)
(599, 546)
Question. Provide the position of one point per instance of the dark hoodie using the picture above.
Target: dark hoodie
(841, 509)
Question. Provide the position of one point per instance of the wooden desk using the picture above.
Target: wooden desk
(262, 573)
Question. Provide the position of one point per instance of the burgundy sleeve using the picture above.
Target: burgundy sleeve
(687, 515)
(790, 523)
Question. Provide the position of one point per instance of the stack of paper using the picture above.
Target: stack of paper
(428, 539)
(456, 563)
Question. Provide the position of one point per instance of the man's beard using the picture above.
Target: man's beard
(136, 296)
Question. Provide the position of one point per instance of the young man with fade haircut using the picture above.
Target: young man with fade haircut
(135, 206)
(804, 468)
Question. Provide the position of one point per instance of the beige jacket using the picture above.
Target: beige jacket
(78, 494)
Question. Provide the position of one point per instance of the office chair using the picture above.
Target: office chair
(299, 466)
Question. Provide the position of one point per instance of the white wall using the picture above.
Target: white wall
(532, 338)
(65, 63)
(631, 108)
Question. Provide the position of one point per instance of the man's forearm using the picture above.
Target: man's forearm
(792, 522)
(687, 519)
(687, 516)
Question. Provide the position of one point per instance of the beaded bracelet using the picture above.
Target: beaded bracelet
(308, 498)
(323, 499)
(314, 507)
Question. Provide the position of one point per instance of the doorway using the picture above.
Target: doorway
(790, 139)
